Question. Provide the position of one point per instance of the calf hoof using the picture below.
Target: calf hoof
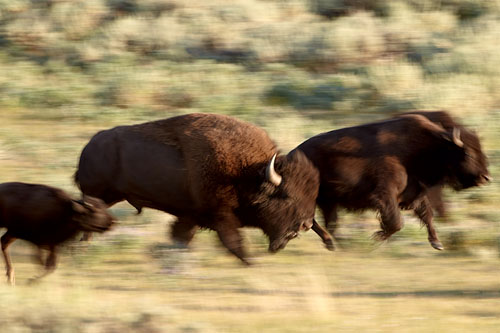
(247, 261)
(437, 245)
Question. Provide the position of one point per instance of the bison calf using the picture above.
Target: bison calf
(46, 217)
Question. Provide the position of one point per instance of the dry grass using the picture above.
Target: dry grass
(62, 81)
(131, 280)
(304, 288)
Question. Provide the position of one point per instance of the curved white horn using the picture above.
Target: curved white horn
(456, 137)
(271, 175)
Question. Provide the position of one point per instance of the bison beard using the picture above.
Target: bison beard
(390, 165)
(46, 217)
(210, 171)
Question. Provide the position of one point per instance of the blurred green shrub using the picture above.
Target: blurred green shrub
(335, 8)
(45, 98)
(329, 46)
(306, 97)
(123, 7)
(467, 10)
(170, 54)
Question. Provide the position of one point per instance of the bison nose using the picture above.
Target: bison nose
(306, 225)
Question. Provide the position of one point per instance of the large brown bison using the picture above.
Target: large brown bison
(211, 171)
(46, 216)
(389, 165)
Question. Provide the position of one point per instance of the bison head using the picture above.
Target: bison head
(472, 167)
(91, 214)
(285, 202)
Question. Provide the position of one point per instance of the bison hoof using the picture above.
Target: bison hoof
(380, 236)
(329, 245)
(437, 245)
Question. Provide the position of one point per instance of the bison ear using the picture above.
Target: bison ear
(79, 207)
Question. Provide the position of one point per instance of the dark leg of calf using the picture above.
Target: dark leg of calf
(424, 213)
(325, 236)
(183, 230)
(50, 264)
(227, 229)
(390, 219)
(6, 240)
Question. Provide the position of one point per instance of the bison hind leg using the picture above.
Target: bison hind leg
(390, 219)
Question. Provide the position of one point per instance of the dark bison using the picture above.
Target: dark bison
(435, 194)
(211, 171)
(46, 217)
(389, 165)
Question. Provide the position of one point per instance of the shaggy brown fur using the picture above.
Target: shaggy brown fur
(386, 174)
(209, 171)
(46, 217)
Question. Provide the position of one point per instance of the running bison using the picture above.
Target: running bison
(389, 165)
(211, 171)
(435, 194)
(46, 216)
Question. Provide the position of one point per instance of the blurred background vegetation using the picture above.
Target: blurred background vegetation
(69, 68)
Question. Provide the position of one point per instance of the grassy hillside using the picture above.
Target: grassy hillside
(296, 68)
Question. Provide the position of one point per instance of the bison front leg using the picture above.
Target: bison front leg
(390, 219)
(227, 229)
(330, 216)
(424, 213)
(324, 235)
(435, 196)
(183, 230)
(6, 240)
